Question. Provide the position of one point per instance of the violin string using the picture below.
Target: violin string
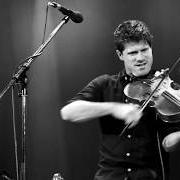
(171, 98)
(151, 95)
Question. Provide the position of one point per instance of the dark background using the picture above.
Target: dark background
(77, 54)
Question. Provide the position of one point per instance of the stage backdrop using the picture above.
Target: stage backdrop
(77, 54)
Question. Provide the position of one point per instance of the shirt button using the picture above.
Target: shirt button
(129, 170)
(129, 136)
(128, 154)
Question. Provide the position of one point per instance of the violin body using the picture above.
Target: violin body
(166, 107)
(165, 99)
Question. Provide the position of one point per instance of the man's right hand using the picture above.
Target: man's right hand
(130, 113)
(80, 110)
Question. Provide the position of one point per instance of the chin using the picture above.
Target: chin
(141, 73)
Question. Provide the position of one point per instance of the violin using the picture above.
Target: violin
(158, 92)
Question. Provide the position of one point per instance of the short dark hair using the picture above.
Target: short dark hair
(131, 30)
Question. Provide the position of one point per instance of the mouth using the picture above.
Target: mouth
(141, 64)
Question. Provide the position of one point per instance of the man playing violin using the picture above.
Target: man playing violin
(134, 144)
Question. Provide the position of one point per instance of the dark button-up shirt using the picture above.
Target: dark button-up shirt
(138, 147)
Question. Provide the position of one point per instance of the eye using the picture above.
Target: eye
(144, 49)
(133, 52)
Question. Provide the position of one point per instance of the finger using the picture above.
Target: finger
(134, 105)
(133, 120)
(133, 124)
(130, 121)
(130, 125)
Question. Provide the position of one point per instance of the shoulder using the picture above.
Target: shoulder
(105, 79)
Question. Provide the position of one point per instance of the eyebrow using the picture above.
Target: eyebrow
(132, 52)
(144, 49)
(135, 51)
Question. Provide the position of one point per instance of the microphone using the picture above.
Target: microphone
(75, 16)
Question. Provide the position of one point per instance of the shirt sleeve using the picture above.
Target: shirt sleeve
(93, 91)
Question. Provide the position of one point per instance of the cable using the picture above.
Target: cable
(160, 155)
(45, 24)
(14, 133)
(13, 109)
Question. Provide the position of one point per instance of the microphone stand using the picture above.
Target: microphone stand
(20, 77)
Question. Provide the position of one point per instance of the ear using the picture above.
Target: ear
(119, 55)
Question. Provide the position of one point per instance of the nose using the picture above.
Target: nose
(139, 57)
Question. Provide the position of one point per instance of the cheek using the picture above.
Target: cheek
(149, 56)
(129, 63)
(150, 61)
(131, 60)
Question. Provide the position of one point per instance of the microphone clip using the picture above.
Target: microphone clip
(75, 16)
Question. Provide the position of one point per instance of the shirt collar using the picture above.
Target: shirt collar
(123, 76)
